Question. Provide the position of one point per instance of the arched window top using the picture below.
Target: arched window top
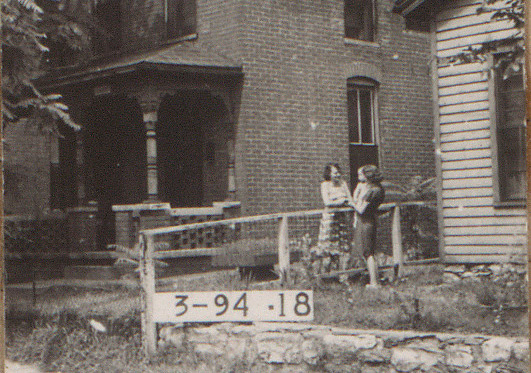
(362, 81)
(363, 70)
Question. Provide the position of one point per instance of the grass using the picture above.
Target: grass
(54, 330)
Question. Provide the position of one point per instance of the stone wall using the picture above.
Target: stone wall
(301, 347)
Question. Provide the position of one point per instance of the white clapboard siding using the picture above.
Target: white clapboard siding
(464, 117)
(467, 173)
(471, 144)
(502, 240)
(476, 182)
(457, 89)
(466, 192)
(453, 47)
(458, 9)
(460, 69)
(467, 164)
(464, 108)
(481, 212)
(478, 258)
(464, 21)
(483, 201)
(461, 79)
(473, 229)
(488, 221)
(445, 37)
(465, 155)
(469, 134)
(519, 230)
(464, 126)
(487, 250)
(463, 98)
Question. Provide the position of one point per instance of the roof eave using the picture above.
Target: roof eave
(87, 76)
(405, 7)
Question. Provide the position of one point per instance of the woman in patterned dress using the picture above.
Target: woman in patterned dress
(334, 232)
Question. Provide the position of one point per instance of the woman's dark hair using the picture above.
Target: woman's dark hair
(328, 170)
(372, 173)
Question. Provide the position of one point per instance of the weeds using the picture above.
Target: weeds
(62, 337)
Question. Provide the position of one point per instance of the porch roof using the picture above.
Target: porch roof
(417, 7)
(188, 56)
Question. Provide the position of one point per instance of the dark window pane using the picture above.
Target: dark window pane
(359, 19)
(511, 135)
(108, 37)
(366, 116)
(353, 125)
(181, 19)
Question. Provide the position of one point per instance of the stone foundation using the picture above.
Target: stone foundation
(299, 348)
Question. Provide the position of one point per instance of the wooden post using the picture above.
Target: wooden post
(396, 235)
(283, 249)
(147, 278)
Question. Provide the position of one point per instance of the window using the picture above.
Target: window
(359, 19)
(180, 17)
(63, 189)
(509, 134)
(361, 116)
(108, 35)
(362, 124)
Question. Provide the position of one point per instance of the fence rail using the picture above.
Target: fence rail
(148, 253)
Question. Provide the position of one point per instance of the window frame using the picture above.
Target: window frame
(372, 39)
(101, 46)
(371, 85)
(183, 35)
(499, 200)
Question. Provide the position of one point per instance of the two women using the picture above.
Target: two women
(334, 238)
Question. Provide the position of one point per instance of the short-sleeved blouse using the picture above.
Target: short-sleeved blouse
(374, 196)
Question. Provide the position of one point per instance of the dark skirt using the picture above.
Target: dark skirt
(365, 235)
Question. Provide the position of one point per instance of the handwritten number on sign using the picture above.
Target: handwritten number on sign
(221, 301)
(180, 303)
(241, 304)
(302, 305)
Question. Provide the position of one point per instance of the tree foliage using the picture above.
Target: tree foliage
(513, 46)
(32, 31)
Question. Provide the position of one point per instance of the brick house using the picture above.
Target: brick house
(480, 131)
(188, 103)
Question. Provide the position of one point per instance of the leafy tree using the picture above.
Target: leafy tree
(34, 31)
(514, 45)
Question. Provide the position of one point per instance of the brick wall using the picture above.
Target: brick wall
(293, 114)
(26, 170)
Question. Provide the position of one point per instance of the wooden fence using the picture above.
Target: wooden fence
(148, 254)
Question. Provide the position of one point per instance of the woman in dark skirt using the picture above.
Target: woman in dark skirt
(368, 196)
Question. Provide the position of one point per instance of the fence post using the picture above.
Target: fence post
(396, 235)
(147, 280)
(283, 249)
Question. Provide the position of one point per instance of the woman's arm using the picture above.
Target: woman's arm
(336, 201)
(325, 194)
(349, 201)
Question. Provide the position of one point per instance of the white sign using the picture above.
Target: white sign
(255, 305)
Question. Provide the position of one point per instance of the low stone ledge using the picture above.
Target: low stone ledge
(304, 347)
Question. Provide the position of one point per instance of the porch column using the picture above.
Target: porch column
(231, 173)
(149, 111)
(80, 170)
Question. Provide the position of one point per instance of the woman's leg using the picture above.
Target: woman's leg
(373, 271)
